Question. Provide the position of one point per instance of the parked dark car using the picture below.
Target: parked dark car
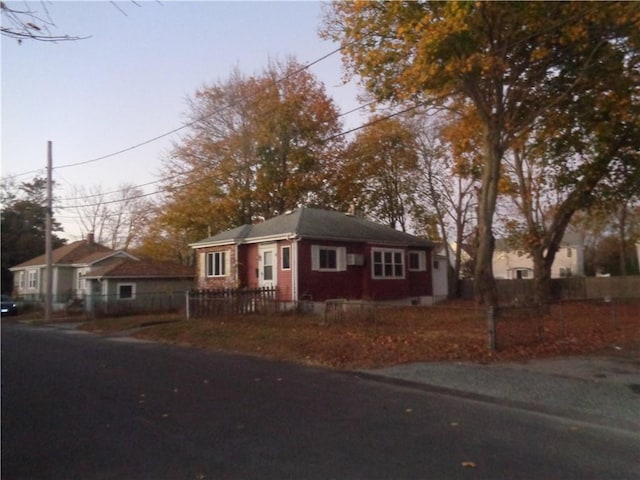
(9, 306)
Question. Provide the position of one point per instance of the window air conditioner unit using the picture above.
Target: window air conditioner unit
(355, 259)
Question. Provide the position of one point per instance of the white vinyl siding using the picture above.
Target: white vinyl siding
(328, 259)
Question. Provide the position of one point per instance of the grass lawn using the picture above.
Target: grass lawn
(396, 335)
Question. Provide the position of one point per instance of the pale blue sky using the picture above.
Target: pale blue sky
(129, 82)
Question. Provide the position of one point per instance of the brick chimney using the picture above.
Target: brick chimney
(90, 238)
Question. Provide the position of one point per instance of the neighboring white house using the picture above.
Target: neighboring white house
(513, 264)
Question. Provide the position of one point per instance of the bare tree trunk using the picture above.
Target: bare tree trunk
(623, 233)
(485, 284)
(542, 279)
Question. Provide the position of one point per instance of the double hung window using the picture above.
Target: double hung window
(216, 264)
(32, 279)
(328, 259)
(387, 263)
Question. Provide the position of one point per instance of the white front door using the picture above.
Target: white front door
(267, 266)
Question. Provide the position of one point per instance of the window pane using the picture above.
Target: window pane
(268, 272)
(286, 260)
(328, 259)
(398, 270)
(377, 269)
(125, 291)
(209, 264)
(388, 270)
(216, 267)
(414, 261)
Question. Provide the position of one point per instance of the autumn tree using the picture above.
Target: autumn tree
(164, 241)
(510, 61)
(256, 146)
(586, 152)
(377, 172)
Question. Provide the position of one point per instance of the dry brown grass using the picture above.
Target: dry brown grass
(396, 335)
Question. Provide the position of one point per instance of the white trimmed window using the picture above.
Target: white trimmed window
(328, 259)
(286, 258)
(126, 291)
(417, 261)
(217, 264)
(387, 263)
(32, 279)
(21, 280)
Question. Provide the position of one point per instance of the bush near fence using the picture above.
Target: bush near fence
(231, 301)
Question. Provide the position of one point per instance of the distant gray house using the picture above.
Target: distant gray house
(89, 272)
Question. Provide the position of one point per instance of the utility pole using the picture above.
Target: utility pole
(48, 309)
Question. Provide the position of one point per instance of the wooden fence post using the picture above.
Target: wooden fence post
(187, 311)
(491, 324)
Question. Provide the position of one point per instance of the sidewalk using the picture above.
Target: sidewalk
(603, 389)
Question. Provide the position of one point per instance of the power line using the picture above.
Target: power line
(199, 119)
(353, 110)
(183, 126)
(209, 178)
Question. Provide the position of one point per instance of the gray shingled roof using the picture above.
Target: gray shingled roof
(80, 252)
(130, 268)
(312, 223)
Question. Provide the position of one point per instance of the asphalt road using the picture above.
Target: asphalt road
(80, 406)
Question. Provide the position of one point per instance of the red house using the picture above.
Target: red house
(312, 254)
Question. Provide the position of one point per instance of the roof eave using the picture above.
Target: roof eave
(109, 275)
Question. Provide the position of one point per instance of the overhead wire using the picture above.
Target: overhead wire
(209, 178)
(199, 119)
(353, 110)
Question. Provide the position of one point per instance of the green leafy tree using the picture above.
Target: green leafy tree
(24, 211)
(510, 61)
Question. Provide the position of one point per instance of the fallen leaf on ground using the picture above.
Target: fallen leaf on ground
(468, 464)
